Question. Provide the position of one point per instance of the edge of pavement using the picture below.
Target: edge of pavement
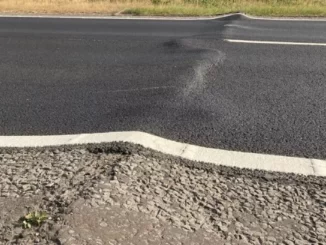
(131, 17)
(266, 162)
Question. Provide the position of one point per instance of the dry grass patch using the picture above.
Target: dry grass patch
(67, 6)
(167, 7)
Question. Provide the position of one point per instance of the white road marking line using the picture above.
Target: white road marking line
(314, 19)
(122, 17)
(130, 17)
(247, 160)
(274, 42)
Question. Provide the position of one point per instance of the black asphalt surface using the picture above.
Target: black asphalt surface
(176, 79)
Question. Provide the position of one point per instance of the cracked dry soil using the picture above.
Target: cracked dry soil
(125, 194)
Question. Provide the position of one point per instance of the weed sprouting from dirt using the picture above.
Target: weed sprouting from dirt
(35, 218)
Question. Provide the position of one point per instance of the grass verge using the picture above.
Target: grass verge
(305, 8)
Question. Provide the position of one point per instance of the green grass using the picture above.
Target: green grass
(283, 11)
(292, 8)
(174, 10)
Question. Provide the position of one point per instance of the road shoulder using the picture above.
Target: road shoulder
(91, 192)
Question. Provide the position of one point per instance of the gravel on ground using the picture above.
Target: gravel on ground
(121, 193)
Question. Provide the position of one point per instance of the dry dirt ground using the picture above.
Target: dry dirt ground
(125, 194)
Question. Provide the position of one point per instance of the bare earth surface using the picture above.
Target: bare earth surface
(125, 194)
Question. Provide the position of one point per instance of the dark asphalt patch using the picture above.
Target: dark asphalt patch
(61, 77)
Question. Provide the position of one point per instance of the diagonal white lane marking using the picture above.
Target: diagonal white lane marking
(274, 42)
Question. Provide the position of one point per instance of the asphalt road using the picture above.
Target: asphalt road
(176, 79)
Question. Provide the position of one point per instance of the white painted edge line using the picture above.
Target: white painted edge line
(131, 17)
(113, 17)
(265, 162)
(274, 42)
(315, 19)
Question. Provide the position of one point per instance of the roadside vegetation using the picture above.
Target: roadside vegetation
(34, 218)
(306, 8)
